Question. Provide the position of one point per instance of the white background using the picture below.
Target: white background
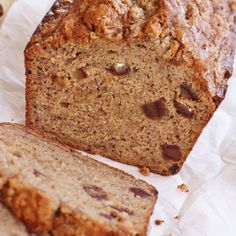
(209, 208)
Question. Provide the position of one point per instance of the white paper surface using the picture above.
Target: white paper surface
(209, 208)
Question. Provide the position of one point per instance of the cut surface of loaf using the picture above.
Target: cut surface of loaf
(9, 226)
(135, 81)
(59, 191)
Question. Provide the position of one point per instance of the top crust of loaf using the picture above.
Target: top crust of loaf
(200, 34)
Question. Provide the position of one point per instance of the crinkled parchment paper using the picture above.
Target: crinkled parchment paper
(209, 208)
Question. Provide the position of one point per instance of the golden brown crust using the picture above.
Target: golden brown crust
(68, 222)
(42, 215)
(28, 205)
(202, 34)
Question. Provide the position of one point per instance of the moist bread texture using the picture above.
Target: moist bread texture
(133, 80)
(61, 192)
(9, 226)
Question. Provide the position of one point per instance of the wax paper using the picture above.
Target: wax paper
(209, 208)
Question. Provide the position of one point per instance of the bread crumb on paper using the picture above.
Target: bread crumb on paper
(159, 222)
(183, 188)
(144, 171)
(177, 217)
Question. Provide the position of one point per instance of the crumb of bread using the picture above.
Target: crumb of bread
(159, 222)
(144, 171)
(177, 217)
(183, 188)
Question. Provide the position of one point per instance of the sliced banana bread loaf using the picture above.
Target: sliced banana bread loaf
(135, 81)
(56, 190)
(9, 226)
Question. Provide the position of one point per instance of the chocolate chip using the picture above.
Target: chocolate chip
(155, 110)
(139, 192)
(119, 69)
(123, 209)
(96, 192)
(188, 92)
(1, 10)
(171, 152)
(81, 74)
(184, 110)
(174, 169)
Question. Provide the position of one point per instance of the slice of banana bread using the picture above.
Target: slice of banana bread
(9, 226)
(135, 81)
(56, 190)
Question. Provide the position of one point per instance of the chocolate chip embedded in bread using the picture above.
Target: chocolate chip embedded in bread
(188, 92)
(155, 110)
(140, 192)
(184, 110)
(119, 69)
(96, 192)
(171, 152)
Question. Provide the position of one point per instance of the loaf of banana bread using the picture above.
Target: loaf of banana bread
(135, 81)
(61, 192)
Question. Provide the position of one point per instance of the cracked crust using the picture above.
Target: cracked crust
(194, 38)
